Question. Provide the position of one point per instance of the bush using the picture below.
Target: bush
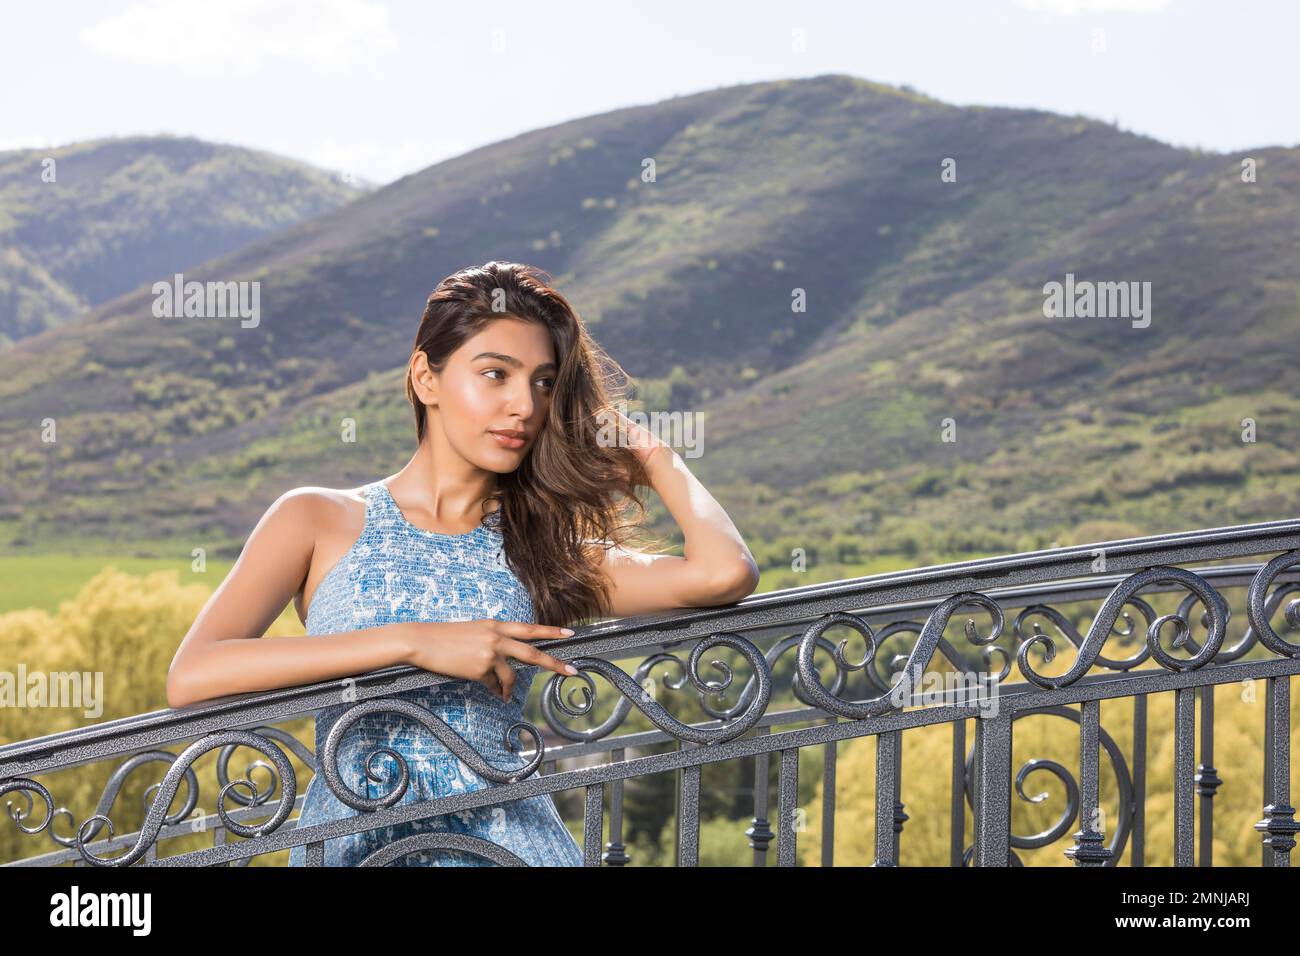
(125, 628)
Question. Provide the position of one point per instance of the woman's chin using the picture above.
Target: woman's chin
(502, 464)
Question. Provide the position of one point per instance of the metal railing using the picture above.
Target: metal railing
(1180, 653)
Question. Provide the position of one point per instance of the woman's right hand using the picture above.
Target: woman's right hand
(478, 650)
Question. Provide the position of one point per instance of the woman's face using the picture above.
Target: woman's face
(499, 379)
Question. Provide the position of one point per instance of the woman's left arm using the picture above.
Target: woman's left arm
(718, 567)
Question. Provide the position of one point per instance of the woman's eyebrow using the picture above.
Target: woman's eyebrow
(511, 360)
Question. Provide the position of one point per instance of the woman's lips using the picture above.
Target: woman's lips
(506, 441)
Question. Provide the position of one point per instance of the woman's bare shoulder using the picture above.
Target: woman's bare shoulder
(323, 506)
(316, 493)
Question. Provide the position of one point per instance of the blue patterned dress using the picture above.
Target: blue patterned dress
(398, 572)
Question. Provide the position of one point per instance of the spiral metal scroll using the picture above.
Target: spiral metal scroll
(442, 841)
(1124, 783)
(156, 806)
(26, 787)
(1128, 635)
(1259, 610)
(756, 695)
(922, 652)
(883, 682)
(156, 814)
(623, 706)
(773, 656)
(843, 668)
(1105, 621)
(274, 733)
(329, 760)
(114, 786)
(551, 700)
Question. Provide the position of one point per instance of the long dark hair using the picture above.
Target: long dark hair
(564, 498)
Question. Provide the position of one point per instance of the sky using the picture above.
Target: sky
(378, 90)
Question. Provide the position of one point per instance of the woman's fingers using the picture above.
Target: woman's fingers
(531, 655)
(523, 631)
(505, 677)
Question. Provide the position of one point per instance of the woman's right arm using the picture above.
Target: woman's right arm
(221, 655)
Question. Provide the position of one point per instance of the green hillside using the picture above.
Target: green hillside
(108, 215)
(824, 428)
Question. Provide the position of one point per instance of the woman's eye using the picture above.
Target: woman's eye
(550, 382)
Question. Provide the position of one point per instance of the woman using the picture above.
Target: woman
(506, 516)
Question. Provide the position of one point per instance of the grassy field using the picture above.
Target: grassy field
(45, 581)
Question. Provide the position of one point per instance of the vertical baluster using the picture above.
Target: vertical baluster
(1138, 857)
(615, 855)
(899, 816)
(957, 826)
(993, 789)
(828, 801)
(1089, 847)
(760, 832)
(1268, 770)
(888, 747)
(787, 808)
(1279, 825)
(1184, 757)
(315, 855)
(677, 807)
(1207, 780)
(593, 824)
(688, 819)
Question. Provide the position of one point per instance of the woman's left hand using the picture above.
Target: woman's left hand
(641, 440)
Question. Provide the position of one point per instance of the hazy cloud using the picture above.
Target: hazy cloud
(1073, 7)
(245, 35)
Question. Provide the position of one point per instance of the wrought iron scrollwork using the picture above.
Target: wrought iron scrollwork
(1259, 610)
(26, 787)
(158, 797)
(1103, 624)
(551, 701)
(163, 793)
(1067, 820)
(114, 786)
(180, 768)
(912, 671)
(442, 841)
(274, 733)
(328, 763)
(1127, 635)
(756, 695)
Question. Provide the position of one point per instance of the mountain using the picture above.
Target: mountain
(923, 404)
(84, 223)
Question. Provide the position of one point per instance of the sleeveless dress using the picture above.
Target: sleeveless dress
(398, 572)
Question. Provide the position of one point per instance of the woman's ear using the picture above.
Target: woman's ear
(424, 380)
